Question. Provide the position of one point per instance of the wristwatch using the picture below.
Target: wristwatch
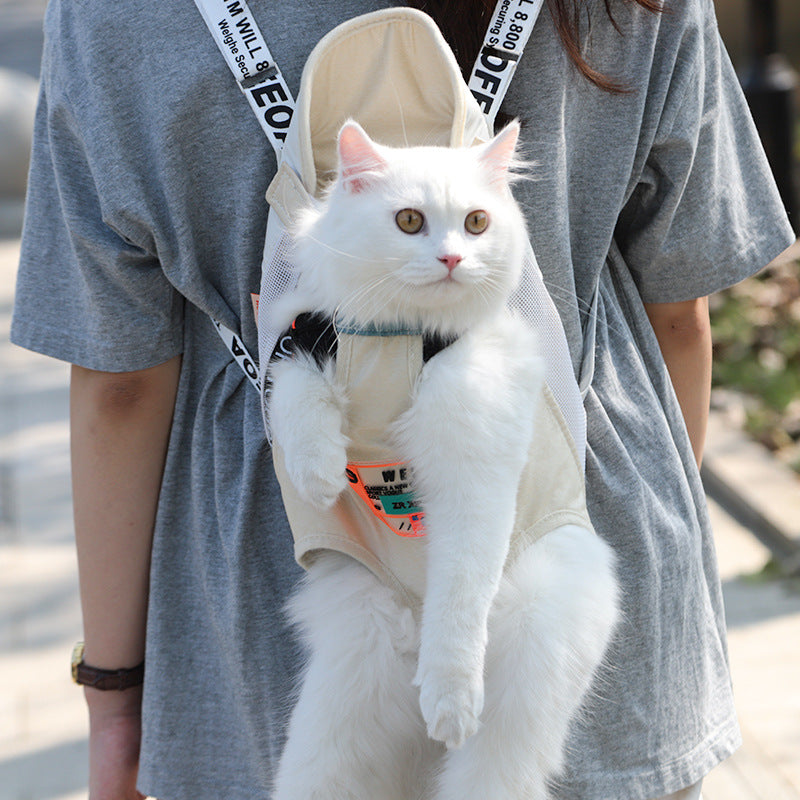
(105, 679)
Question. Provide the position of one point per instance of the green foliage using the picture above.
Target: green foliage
(756, 331)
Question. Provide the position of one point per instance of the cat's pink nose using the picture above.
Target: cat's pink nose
(450, 261)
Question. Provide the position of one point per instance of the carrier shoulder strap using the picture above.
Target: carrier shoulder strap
(509, 29)
(234, 29)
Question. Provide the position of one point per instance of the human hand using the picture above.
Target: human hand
(115, 732)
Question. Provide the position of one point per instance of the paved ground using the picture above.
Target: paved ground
(42, 719)
(21, 35)
(764, 639)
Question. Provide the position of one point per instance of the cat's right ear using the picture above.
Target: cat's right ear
(498, 155)
(360, 163)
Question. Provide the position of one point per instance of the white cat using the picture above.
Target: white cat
(469, 695)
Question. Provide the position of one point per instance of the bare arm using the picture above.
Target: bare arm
(120, 425)
(683, 331)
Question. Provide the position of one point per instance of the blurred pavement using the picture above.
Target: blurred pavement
(42, 720)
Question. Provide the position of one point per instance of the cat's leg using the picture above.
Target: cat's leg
(306, 415)
(356, 732)
(548, 630)
(467, 436)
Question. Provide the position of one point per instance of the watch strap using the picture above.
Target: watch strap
(104, 679)
(109, 679)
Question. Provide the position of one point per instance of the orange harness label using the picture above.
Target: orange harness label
(386, 489)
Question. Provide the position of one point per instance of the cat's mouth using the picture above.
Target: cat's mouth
(441, 284)
(437, 292)
(453, 277)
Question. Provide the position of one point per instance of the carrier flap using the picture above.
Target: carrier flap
(392, 72)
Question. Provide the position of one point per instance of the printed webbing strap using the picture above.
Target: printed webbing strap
(240, 41)
(508, 32)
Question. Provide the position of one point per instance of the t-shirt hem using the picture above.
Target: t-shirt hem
(91, 355)
(663, 778)
(748, 261)
(195, 790)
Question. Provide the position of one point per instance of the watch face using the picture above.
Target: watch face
(77, 657)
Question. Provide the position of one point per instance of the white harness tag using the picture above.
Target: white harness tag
(240, 354)
(508, 32)
(240, 41)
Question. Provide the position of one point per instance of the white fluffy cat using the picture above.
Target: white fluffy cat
(472, 699)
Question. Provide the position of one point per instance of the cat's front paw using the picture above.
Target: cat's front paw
(320, 479)
(451, 703)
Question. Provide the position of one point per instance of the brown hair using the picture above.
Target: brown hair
(463, 23)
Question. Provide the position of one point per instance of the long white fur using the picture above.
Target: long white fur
(475, 702)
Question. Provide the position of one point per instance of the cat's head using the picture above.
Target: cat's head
(427, 237)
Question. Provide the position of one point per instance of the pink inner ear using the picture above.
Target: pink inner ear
(498, 154)
(359, 159)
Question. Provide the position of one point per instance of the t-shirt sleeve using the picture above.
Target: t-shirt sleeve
(705, 213)
(87, 292)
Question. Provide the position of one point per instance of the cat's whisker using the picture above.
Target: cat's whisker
(400, 111)
(345, 253)
(584, 307)
(353, 306)
(365, 292)
(486, 296)
(570, 296)
(396, 290)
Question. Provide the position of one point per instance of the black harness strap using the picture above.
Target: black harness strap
(315, 334)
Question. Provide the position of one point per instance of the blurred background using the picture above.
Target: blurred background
(733, 24)
(757, 324)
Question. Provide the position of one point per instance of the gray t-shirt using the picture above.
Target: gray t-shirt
(146, 213)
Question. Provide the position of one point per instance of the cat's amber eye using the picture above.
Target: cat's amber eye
(476, 222)
(409, 220)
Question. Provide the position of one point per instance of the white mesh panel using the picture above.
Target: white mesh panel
(533, 302)
(277, 278)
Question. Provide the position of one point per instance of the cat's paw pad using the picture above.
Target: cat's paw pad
(322, 478)
(451, 707)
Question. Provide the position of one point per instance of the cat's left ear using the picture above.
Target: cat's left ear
(498, 154)
(360, 162)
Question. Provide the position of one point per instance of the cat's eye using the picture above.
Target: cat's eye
(409, 220)
(476, 222)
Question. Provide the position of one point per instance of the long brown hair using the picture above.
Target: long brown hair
(463, 23)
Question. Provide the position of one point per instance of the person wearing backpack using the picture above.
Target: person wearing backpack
(145, 217)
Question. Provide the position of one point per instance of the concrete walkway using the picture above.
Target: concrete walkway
(764, 640)
(42, 719)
